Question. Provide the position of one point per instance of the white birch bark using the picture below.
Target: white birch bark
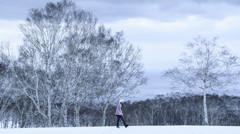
(104, 114)
(205, 108)
(77, 115)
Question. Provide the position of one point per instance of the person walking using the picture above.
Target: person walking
(119, 113)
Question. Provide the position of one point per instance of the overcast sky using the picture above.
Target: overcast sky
(158, 27)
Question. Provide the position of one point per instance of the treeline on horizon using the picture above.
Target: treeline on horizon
(170, 109)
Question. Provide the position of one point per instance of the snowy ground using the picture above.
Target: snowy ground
(129, 130)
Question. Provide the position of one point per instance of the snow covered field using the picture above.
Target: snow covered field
(129, 130)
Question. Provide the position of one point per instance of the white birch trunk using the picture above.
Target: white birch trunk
(64, 110)
(76, 118)
(65, 116)
(49, 110)
(104, 114)
(205, 108)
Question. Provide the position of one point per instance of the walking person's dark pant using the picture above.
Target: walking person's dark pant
(120, 116)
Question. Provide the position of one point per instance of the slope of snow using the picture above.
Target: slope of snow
(129, 130)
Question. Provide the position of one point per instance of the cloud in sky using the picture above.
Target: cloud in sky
(161, 10)
(161, 42)
(158, 27)
(113, 10)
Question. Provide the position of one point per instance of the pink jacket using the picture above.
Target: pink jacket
(119, 110)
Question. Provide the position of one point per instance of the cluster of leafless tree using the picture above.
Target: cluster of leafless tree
(67, 58)
(170, 109)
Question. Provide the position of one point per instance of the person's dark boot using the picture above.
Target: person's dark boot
(126, 126)
(118, 127)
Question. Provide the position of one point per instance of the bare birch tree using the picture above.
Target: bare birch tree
(75, 60)
(44, 32)
(119, 70)
(75, 64)
(206, 66)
